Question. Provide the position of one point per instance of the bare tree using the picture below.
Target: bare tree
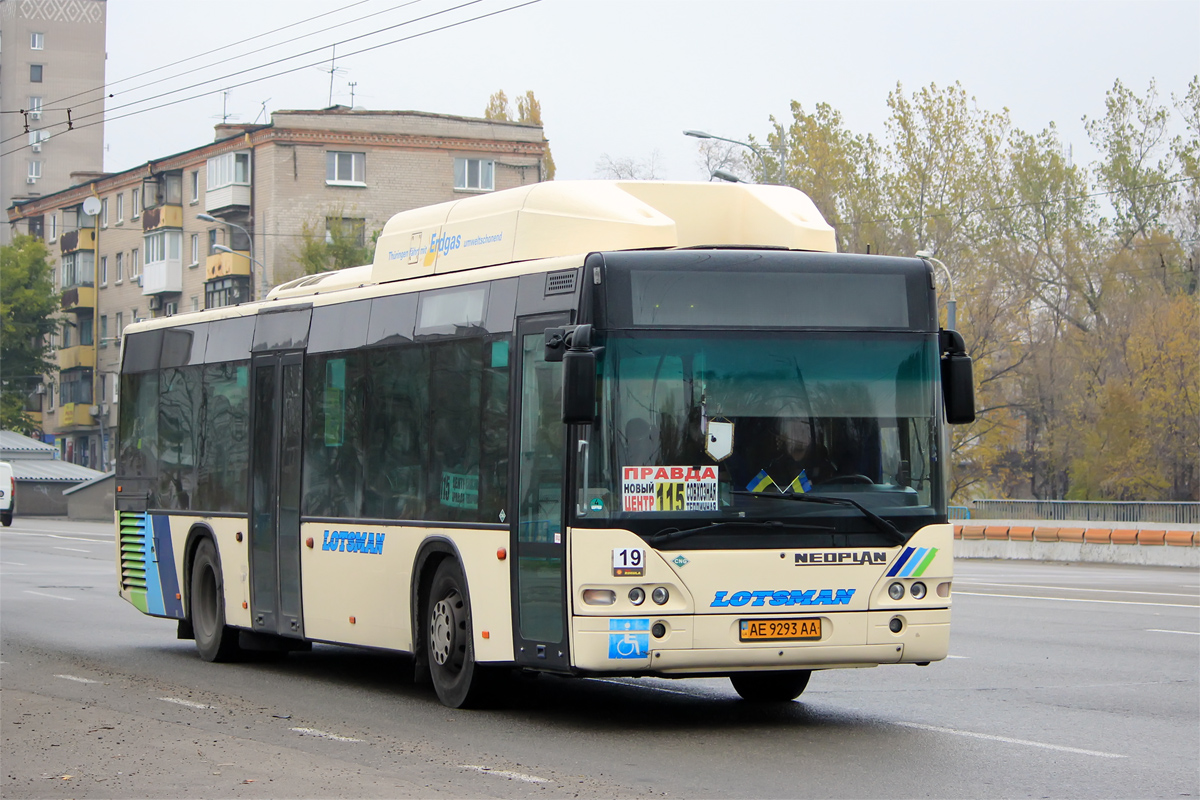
(629, 168)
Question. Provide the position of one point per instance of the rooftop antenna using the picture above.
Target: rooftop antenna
(333, 70)
(263, 113)
(352, 85)
(225, 116)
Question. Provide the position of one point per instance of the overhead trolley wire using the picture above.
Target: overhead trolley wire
(286, 71)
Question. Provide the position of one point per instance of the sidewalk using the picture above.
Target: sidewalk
(1098, 542)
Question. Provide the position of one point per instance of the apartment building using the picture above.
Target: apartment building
(51, 63)
(222, 223)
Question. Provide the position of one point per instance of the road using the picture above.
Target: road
(1064, 680)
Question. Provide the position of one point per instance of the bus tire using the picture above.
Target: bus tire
(771, 687)
(458, 680)
(215, 640)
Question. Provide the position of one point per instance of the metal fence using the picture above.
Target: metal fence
(1088, 511)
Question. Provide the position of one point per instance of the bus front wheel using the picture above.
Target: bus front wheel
(214, 639)
(458, 680)
(771, 687)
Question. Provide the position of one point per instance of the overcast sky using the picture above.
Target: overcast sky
(627, 77)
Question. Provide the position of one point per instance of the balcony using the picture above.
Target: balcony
(162, 217)
(79, 298)
(75, 415)
(82, 355)
(82, 239)
(162, 277)
(221, 265)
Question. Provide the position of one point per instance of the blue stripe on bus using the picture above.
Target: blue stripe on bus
(154, 600)
(914, 562)
(900, 562)
(165, 566)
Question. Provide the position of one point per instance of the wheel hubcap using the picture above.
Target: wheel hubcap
(443, 627)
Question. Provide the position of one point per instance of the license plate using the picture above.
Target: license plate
(757, 630)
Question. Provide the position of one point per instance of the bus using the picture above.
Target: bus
(585, 428)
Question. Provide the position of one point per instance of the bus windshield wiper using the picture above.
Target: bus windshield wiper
(876, 520)
(668, 535)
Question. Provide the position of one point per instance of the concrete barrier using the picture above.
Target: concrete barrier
(1167, 546)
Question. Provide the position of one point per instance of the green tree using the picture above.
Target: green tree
(334, 241)
(529, 112)
(28, 302)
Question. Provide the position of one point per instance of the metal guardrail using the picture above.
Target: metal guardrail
(1087, 511)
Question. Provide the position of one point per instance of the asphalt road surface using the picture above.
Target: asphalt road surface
(1064, 681)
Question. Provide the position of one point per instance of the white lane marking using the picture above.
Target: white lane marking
(12, 564)
(1076, 589)
(1160, 630)
(72, 549)
(108, 539)
(1010, 740)
(1078, 600)
(957, 656)
(53, 596)
(324, 735)
(74, 678)
(187, 703)
(642, 686)
(503, 773)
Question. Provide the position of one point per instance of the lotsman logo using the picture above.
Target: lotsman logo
(784, 597)
(353, 542)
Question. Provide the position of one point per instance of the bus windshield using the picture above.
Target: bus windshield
(728, 426)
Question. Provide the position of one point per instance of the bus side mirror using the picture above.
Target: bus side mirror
(958, 381)
(579, 378)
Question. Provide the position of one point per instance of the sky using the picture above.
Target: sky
(624, 78)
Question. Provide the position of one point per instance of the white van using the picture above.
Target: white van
(8, 493)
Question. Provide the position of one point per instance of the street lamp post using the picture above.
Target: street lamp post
(223, 249)
(951, 302)
(220, 248)
(757, 152)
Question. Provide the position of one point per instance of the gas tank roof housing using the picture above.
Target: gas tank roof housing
(562, 218)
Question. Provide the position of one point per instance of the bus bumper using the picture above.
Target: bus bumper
(709, 643)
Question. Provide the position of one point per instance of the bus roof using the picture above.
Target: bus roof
(560, 218)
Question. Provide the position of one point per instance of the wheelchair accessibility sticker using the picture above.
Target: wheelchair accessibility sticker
(629, 638)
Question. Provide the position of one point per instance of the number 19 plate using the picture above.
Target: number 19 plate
(758, 630)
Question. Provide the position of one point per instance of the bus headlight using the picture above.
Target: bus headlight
(660, 595)
(896, 591)
(637, 595)
(917, 590)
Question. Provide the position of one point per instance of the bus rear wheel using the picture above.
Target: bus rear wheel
(215, 640)
(458, 680)
(771, 687)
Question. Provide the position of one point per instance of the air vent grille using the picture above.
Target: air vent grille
(561, 282)
(133, 550)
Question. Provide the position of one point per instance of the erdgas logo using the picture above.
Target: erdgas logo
(441, 245)
(784, 597)
(353, 542)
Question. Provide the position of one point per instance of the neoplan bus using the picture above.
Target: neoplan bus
(592, 428)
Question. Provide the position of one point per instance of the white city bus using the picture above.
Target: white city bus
(588, 428)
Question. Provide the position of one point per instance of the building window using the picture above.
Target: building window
(116, 383)
(35, 73)
(195, 262)
(135, 208)
(346, 229)
(103, 335)
(37, 41)
(104, 270)
(77, 269)
(120, 268)
(134, 263)
(228, 169)
(85, 331)
(67, 339)
(346, 168)
(162, 246)
(476, 174)
(104, 213)
(35, 108)
(75, 386)
(120, 329)
(120, 212)
(36, 138)
(195, 184)
(226, 291)
(53, 224)
(212, 241)
(195, 303)
(35, 170)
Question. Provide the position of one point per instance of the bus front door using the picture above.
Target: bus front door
(538, 534)
(277, 423)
